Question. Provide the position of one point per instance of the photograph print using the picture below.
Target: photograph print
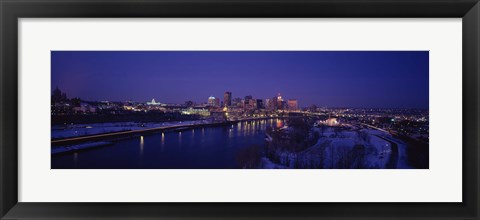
(239, 109)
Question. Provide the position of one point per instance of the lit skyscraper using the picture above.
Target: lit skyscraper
(274, 102)
(260, 104)
(237, 102)
(246, 103)
(227, 99)
(292, 104)
(279, 100)
(212, 101)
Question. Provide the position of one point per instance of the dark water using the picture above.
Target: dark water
(200, 148)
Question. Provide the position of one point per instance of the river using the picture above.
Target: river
(199, 148)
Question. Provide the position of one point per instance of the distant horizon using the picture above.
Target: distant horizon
(354, 79)
(318, 106)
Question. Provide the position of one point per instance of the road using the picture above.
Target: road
(393, 160)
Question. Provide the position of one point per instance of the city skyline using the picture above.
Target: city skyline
(365, 80)
(240, 110)
(221, 102)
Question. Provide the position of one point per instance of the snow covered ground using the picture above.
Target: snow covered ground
(349, 147)
(337, 145)
(265, 163)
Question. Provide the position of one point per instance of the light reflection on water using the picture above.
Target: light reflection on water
(162, 145)
(199, 148)
(75, 158)
(142, 143)
(279, 123)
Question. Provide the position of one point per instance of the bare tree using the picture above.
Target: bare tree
(249, 157)
(364, 136)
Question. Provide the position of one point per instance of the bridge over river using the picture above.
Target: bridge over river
(134, 133)
(212, 146)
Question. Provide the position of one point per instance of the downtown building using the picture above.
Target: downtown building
(292, 104)
(214, 102)
(227, 99)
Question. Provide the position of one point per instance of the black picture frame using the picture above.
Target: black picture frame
(12, 10)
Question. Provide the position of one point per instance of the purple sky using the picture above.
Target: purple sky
(387, 79)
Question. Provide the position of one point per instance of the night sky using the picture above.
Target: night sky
(386, 79)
